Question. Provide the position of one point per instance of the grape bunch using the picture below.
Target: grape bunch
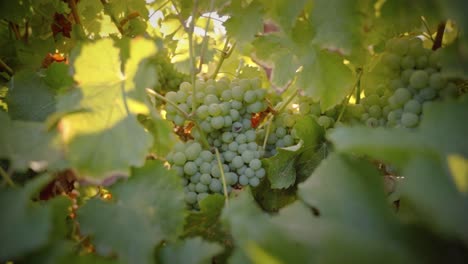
(326, 119)
(413, 77)
(224, 111)
(169, 78)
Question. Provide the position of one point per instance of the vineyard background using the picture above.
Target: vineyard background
(249, 131)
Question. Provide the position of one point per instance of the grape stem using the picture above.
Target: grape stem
(76, 16)
(223, 178)
(225, 53)
(267, 134)
(15, 30)
(287, 102)
(6, 177)
(355, 86)
(439, 35)
(160, 97)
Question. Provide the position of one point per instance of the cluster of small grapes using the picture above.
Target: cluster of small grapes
(326, 119)
(224, 113)
(414, 78)
(281, 132)
(169, 78)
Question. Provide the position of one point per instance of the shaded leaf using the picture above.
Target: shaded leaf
(190, 251)
(151, 202)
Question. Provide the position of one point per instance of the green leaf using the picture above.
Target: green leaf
(205, 223)
(29, 97)
(190, 251)
(109, 101)
(339, 177)
(28, 144)
(280, 168)
(355, 218)
(431, 194)
(443, 129)
(271, 200)
(324, 77)
(244, 21)
(284, 12)
(25, 224)
(57, 76)
(151, 202)
(285, 68)
(256, 236)
(395, 146)
(343, 32)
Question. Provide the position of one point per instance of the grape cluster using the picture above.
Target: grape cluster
(224, 111)
(169, 78)
(326, 119)
(413, 78)
(281, 132)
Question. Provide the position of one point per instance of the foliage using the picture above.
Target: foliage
(346, 118)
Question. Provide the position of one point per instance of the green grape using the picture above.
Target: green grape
(437, 81)
(195, 178)
(413, 106)
(400, 46)
(288, 140)
(260, 173)
(241, 139)
(242, 147)
(229, 155)
(250, 135)
(304, 108)
(237, 105)
(372, 122)
(179, 158)
(249, 172)
(227, 137)
(231, 178)
(233, 146)
(217, 122)
(216, 186)
(409, 119)
(190, 197)
(226, 95)
(237, 162)
(193, 151)
(243, 180)
(190, 168)
(419, 79)
(255, 164)
(211, 99)
(205, 178)
(238, 93)
(254, 182)
(375, 111)
(201, 188)
(250, 96)
(371, 100)
(422, 62)
(205, 168)
(402, 95)
(391, 60)
(428, 93)
(248, 156)
(408, 62)
(214, 109)
(280, 132)
(206, 155)
(325, 121)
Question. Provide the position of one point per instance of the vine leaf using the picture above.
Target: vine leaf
(343, 32)
(280, 168)
(151, 202)
(190, 251)
(25, 224)
(28, 144)
(283, 12)
(244, 22)
(325, 78)
(104, 108)
(29, 97)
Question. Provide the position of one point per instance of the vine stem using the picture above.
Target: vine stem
(287, 102)
(192, 55)
(345, 102)
(223, 178)
(114, 20)
(225, 53)
(6, 67)
(162, 98)
(6, 177)
(439, 35)
(205, 37)
(15, 30)
(76, 16)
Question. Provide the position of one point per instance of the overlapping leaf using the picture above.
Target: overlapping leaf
(103, 133)
(147, 208)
